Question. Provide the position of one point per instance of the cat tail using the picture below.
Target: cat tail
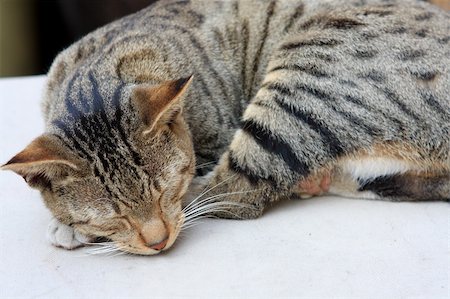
(410, 187)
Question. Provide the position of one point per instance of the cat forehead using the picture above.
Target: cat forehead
(90, 93)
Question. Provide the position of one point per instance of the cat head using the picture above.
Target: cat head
(118, 173)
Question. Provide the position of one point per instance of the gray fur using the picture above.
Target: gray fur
(282, 90)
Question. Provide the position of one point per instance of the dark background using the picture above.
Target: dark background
(32, 32)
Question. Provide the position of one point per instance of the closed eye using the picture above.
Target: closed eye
(106, 228)
(125, 221)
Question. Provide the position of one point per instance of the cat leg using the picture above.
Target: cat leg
(224, 193)
(64, 236)
(314, 185)
(389, 178)
(377, 178)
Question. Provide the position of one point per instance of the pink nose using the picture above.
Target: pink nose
(159, 246)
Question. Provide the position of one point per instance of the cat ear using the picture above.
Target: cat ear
(160, 104)
(42, 162)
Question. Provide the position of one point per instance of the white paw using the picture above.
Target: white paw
(61, 235)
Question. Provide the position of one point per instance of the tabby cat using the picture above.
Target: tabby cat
(288, 98)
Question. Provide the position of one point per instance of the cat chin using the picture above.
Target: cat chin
(64, 236)
(141, 249)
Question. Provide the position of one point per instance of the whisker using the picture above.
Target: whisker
(190, 226)
(97, 243)
(104, 249)
(203, 165)
(188, 209)
(193, 220)
(213, 208)
(206, 190)
(207, 209)
(202, 202)
(100, 250)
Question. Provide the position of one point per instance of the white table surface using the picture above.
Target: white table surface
(318, 248)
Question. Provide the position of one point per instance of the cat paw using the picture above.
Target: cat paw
(64, 236)
(313, 186)
(198, 185)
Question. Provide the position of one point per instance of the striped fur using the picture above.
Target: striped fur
(282, 91)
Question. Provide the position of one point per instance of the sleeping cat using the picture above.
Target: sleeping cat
(288, 98)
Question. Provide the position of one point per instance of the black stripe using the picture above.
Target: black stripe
(398, 30)
(209, 95)
(310, 69)
(205, 59)
(269, 13)
(245, 37)
(274, 145)
(360, 103)
(84, 101)
(118, 123)
(98, 104)
(394, 98)
(342, 23)
(298, 12)
(309, 23)
(320, 42)
(218, 36)
(67, 94)
(364, 53)
(383, 186)
(67, 131)
(348, 83)
(424, 16)
(443, 40)
(378, 12)
(328, 100)
(373, 75)
(253, 178)
(161, 17)
(199, 78)
(125, 203)
(411, 54)
(80, 136)
(431, 101)
(322, 56)
(102, 180)
(235, 7)
(425, 75)
(236, 167)
(278, 87)
(70, 107)
(199, 19)
(64, 142)
(409, 186)
(330, 139)
(196, 44)
(316, 92)
(422, 32)
(99, 130)
(201, 53)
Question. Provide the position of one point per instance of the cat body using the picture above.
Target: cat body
(287, 97)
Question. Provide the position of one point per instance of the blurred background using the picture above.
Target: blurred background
(32, 32)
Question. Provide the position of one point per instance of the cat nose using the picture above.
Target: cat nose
(159, 246)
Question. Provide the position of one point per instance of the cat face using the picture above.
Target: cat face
(129, 193)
